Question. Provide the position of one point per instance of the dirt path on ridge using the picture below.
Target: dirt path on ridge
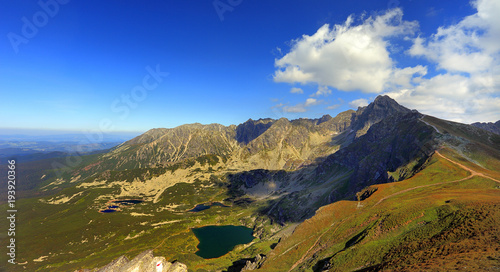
(472, 174)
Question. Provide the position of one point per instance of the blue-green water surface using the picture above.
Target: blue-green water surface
(216, 241)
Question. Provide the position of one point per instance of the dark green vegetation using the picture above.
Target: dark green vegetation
(383, 187)
(216, 241)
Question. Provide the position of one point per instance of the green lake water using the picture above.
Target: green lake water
(216, 241)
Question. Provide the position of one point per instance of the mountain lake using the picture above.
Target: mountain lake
(128, 201)
(216, 241)
(202, 207)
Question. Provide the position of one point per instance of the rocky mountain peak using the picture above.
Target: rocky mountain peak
(324, 118)
(384, 103)
(382, 107)
(252, 129)
(491, 127)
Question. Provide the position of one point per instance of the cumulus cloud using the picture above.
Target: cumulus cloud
(459, 78)
(332, 107)
(407, 77)
(347, 57)
(302, 107)
(322, 90)
(452, 97)
(311, 102)
(468, 53)
(358, 103)
(470, 46)
(297, 90)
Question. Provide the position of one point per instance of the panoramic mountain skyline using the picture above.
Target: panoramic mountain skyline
(132, 67)
(380, 188)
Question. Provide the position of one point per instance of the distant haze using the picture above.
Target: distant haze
(63, 136)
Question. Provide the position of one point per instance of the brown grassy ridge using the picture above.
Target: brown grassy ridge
(428, 222)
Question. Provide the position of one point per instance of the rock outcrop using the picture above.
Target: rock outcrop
(247, 264)
(491, 127)
(144, 262)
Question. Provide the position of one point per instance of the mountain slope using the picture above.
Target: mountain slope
(163, 146)
(394, 147)
(444, 214)
(445, 217)
(424, 187)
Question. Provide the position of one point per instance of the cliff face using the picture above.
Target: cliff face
(385, 142)
(248, 131)
(380, 108)
(388, 146)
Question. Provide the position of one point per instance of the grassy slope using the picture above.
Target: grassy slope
(75, 235)
(448, 225)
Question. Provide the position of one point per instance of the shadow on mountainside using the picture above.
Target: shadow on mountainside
(392, 149)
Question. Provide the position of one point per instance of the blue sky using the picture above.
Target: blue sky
(132, 66)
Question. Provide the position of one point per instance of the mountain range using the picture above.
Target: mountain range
(380, 188)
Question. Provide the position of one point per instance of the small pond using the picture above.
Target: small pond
(108, 211)
(128, 201)
(202, 207)
(216, 241)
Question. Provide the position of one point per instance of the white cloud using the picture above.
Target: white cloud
(468, 53)
(347, 57)
(358, 103)
(322, 90)
(432, 12)
(407, 77)
(294, 109)
(451, 97)
(302, 107)
(464, 87)
(457, 48)
(277, 106)
(312, 102)
(332, 107)
(297, 90)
